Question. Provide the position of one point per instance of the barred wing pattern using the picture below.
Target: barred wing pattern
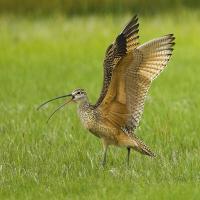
(124, 101)
(149, 60)
(125, 42)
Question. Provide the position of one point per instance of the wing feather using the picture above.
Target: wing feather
(131, 80)
(125, 42)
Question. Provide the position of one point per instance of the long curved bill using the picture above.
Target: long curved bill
(58, 109)
(46, 102)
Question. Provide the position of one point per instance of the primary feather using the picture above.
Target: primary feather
(125, 42)
(129, 70)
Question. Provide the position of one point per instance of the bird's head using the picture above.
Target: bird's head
(77, 96)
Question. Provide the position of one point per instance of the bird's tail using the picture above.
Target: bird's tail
(141, 147)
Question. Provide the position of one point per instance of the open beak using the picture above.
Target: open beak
(46, 102)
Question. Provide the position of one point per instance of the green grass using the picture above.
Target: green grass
(46, 57)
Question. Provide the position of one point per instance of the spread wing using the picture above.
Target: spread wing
(125, 42)
(131, 78)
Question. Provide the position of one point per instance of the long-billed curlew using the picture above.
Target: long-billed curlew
(129, 69)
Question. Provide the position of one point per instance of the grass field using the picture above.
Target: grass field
(44, 57)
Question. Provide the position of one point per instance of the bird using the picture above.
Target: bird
(129, 69)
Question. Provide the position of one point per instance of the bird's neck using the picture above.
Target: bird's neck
(84, 104)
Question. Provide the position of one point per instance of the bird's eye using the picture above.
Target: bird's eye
(79, 93)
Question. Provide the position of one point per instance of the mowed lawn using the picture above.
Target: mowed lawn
(45, 57)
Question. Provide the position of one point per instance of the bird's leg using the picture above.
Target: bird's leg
(105, 148)
(128, 155)
(104, 157)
